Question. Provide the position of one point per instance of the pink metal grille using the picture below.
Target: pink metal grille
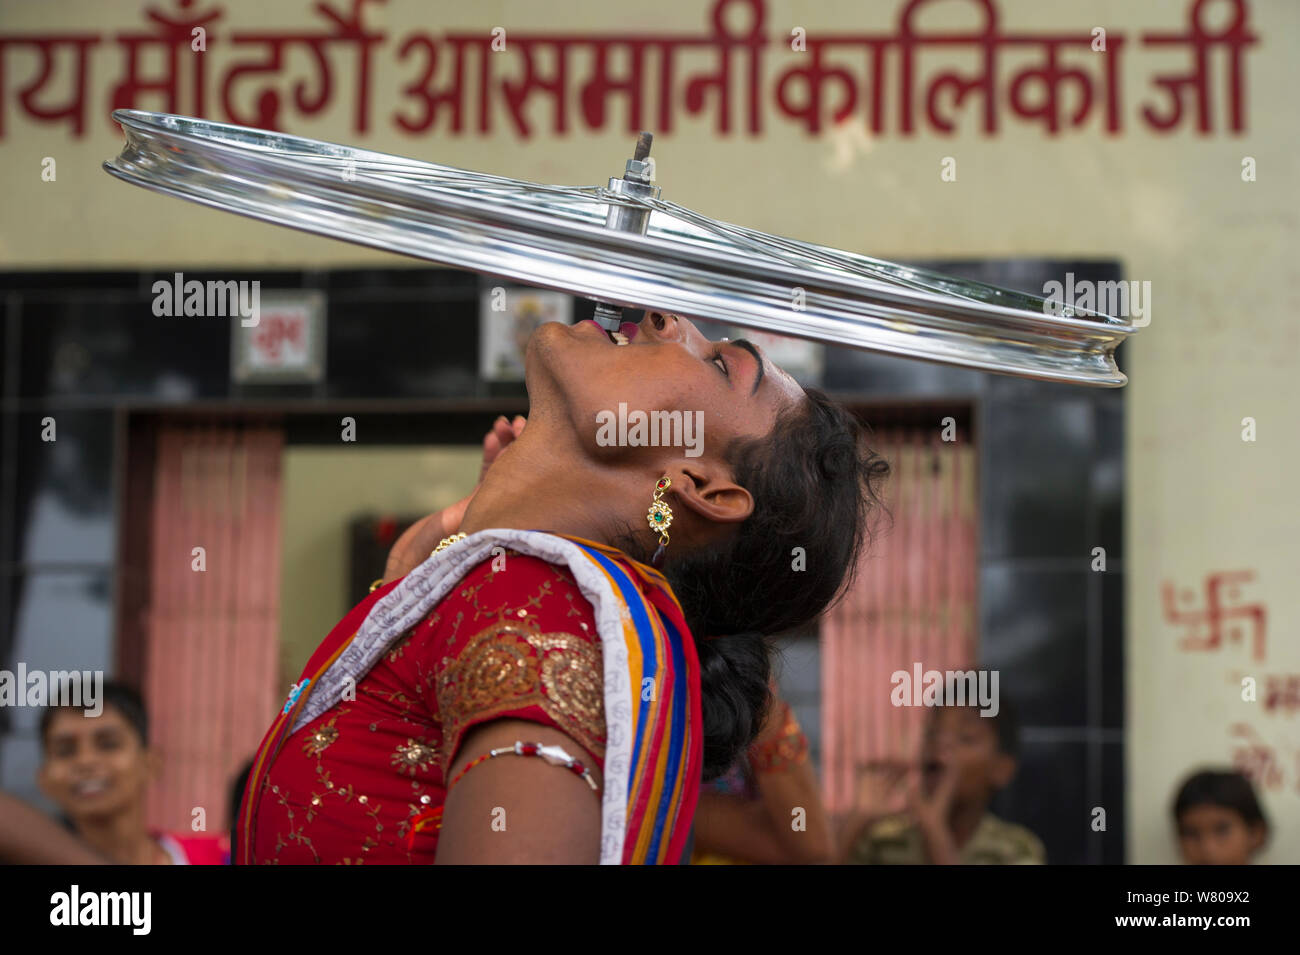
(211, 653)
(913, 602)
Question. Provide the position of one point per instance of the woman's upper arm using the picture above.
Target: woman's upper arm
(519, 809)
(531, 672)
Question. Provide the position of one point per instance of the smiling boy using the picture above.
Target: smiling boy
(97, 770)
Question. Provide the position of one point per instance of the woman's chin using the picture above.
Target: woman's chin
(563, 351)
(545, 340)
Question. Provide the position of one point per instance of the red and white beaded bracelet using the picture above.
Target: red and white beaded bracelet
(555, 755)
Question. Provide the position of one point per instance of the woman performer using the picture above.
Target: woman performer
(531, 691)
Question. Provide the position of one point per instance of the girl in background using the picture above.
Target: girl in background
(1219, 819)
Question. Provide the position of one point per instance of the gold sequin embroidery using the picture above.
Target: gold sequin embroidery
(505, 668)
(413, 757)
(320, 740)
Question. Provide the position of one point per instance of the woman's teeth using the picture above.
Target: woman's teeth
(618, 337)
(90, 787)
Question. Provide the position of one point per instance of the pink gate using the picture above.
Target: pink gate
(211, 648)
(913, 602)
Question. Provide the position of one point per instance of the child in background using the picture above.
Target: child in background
(96, 769)
(1219, 819)
(966, 759)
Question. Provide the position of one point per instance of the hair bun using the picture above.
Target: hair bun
(735, 670)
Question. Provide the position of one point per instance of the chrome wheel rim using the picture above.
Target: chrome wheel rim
(555, 237)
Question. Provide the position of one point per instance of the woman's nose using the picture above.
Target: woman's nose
(666, 327)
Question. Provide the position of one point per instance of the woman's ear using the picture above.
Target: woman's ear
(709, 491)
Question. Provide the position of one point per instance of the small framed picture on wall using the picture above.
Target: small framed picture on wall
(508, 315)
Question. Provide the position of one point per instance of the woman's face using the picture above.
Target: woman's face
(728, 389)
(94, 765)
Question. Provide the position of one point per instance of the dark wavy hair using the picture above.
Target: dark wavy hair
(815, 484)
(1225, 788)
(125, 699)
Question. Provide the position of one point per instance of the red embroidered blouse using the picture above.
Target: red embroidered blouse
(346, 787)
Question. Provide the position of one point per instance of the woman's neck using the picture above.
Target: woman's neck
(538, 484)
(122, 837)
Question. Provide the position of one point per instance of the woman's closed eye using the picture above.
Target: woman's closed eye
(719, 361)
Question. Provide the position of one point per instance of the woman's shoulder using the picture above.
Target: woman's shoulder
(517, 638)
(514, 587)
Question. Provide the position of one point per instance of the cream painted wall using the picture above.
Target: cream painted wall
(325, 488)
(1220, 254)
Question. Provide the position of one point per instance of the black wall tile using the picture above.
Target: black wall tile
(1048, 797)
(871, 373)
(6, 343)
(63, 506)
(43, 281)
(406, 279)
(1033, 631)
(1035, 478)
(270, 278)
(116, 347)
(407, 347)
(1112, 793)
(1108, 477)
(1112, 650)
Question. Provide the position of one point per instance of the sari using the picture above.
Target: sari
(578, 636)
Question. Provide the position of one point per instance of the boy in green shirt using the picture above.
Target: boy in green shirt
(965, 760)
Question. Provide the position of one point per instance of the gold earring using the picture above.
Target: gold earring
(659, 517)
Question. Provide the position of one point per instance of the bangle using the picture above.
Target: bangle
(447, 542)
(555, 755)
(378, 582)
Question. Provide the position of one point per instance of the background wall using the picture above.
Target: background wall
(324, 490)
